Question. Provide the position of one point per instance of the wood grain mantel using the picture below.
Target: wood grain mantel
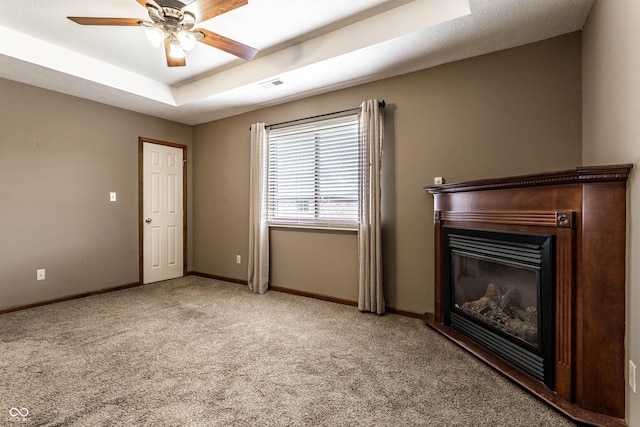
(585, 210)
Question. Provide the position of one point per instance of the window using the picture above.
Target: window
(314, 173)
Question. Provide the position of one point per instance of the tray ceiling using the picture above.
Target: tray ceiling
(312, 46)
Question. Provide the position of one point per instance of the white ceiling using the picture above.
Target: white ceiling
(314, 46)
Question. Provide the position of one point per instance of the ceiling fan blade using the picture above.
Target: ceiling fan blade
(223, 43)
(82, 20)
(144, 3)
(173, 62)
(204, 10)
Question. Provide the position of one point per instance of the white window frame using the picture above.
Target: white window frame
(314, 173)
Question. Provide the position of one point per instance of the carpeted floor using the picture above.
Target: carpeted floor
(199, 352)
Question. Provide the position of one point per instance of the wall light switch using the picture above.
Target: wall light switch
(112, 196)
(238, 259)
(632, 375)
(438, 180)
(40, 274)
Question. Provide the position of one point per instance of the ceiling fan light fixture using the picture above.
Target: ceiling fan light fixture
(155, 36)
(176, 51)
(186, 39)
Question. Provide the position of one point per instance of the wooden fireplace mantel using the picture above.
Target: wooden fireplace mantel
(585, 210)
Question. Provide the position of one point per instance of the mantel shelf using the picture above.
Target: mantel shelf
(580, 175)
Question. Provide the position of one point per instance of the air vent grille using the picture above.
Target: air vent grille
(272, 83)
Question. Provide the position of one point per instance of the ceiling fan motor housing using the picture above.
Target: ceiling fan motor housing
(170, 12)
(174, 4)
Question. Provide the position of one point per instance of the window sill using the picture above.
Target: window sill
(353, 229)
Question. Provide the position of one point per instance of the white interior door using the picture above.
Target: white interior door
(163, 212)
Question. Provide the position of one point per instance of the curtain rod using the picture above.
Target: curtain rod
(381, 104)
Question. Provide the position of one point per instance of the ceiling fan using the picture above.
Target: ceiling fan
(172, 23)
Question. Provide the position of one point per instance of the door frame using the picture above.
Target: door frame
(141, 141)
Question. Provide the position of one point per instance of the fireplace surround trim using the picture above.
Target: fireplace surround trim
(585, 210)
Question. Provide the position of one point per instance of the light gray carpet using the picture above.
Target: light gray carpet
(199, 352)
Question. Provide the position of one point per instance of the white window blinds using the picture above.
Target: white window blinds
(313, 173)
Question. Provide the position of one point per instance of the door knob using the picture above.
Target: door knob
(148, 220)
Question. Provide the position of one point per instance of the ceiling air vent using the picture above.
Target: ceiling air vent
(271, 83)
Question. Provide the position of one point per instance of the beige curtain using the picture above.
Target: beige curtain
(371, 295)
(258, 270)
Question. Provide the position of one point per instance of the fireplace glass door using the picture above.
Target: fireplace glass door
(500, 294)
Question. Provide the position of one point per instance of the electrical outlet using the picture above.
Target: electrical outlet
(632, 375)
(238, 259)
(112, 196)
(40, 274)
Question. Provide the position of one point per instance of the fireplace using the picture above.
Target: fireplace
(530, 278)
(499, 292)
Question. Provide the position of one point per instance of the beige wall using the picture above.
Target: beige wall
(60, 157)
(611, 134)
(330, 257)
(511, 112)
